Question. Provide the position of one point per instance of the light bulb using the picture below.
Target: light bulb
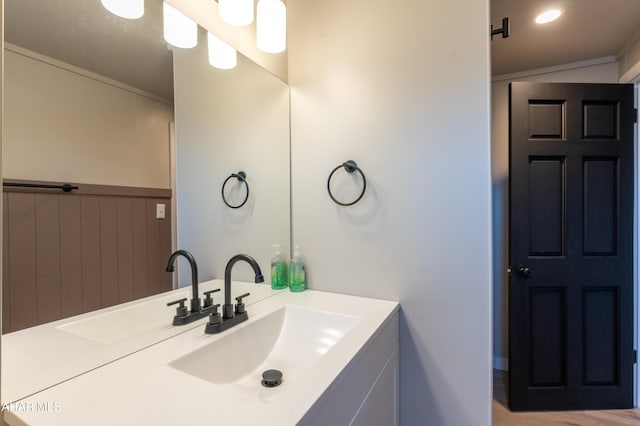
(221, 55)
(129, 9)
(548, 16)
(179, 31)
(236, 12)
(271, 26)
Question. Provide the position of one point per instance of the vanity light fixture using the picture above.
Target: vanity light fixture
(548, 16)
(271, 26)
(236, 12)
(179, 31)
(221, 55)
(129, 9)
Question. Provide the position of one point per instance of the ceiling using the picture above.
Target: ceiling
(85, 34)
(587, 29)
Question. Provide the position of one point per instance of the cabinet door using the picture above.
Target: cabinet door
(380, 407)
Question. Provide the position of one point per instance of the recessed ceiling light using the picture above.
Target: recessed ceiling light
(548, 16)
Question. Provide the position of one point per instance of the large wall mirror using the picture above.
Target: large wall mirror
(104, 103)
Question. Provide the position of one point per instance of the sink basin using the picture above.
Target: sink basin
(123, 323)
(289, 339)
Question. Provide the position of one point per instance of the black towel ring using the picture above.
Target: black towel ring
(350, 166)
(242, 177)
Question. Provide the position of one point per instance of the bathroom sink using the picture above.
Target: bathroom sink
(290, 339)
(123, 323)
(334, 352)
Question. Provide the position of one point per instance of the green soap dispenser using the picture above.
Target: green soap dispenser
(278, 269)
(297, 278)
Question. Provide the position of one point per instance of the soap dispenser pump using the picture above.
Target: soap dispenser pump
(297, 275)
(278, 269)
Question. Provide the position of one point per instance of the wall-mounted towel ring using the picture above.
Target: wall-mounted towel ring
(242, 177)
(350, 166)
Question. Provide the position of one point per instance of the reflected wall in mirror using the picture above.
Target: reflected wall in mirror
(247, 132)
(66, 122)
(89, 99)
(67, 119)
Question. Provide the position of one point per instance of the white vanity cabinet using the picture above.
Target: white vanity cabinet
(366, 393)
(338, 354)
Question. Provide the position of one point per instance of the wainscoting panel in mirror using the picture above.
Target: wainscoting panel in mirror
(67, 253)
(229, 121)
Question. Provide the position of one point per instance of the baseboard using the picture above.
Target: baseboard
(501, 363)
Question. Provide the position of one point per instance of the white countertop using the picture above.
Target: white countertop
(143, 389)
(36, 358)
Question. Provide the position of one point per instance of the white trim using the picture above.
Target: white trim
(629, 44)
(500, 363)
(81, 71)
(632, 75)
(174, 197)
(556, 68)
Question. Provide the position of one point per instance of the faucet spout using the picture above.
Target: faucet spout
(195, 299)
(228, 306)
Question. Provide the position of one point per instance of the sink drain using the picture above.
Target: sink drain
(271, 378)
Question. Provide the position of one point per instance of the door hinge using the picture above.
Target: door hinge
(635, 356)
(635, 115)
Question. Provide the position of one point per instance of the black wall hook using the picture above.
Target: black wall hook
(242, 177)
(504, 30)
(350, 166)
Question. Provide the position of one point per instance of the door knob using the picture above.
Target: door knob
(523, 271)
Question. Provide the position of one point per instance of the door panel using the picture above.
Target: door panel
(600, 349)
(601, 120)
(548, 336)
(546, 206)
(546, 119)
(600, 210)
(571, 235)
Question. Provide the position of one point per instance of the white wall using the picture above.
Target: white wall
(227, 121)
(66, 124)
(403, 89)
(604, 70)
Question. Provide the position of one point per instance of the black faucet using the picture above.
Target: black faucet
(227, 312)
(195, 298)
(231, 317)
(182, 316)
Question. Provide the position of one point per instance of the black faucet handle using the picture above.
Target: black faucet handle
(181, 302)
(214, 316)
(242, 296)
(181, 311)
(240, 306)
(208, 300)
